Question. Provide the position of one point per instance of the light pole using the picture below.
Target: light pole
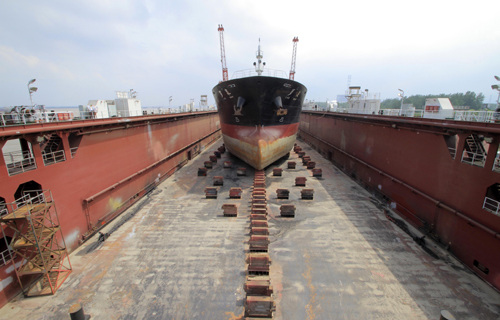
(496, 114)
(31, 90)
(402, 95)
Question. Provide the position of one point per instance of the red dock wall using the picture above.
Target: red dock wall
(117, 161)
(408, 162)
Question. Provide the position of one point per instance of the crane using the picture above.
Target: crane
(294, 55)
(222, 53)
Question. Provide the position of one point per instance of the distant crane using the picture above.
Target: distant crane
(222, 53)
(294, 56)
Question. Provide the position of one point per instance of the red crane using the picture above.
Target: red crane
(222, 53)
(294, 55)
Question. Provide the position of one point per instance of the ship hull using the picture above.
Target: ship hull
(259, 117)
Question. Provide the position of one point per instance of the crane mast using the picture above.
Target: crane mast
(222, 53)
(294, 55)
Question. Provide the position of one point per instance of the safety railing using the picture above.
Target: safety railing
(7, 119)
(19, 162)
(477, 116)
(266, 72)
(492, 206)
(473, 158)
(53, 157)
(4, 256)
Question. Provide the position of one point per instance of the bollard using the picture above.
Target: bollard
(208, 164)
(300, 181)
(318, 173)
(230, 210)
(311, 165)
(218, 181)
(211, 193)
(291, 164)
(277, 172)
(202, 172)
(76, 312)
(282, 193)
(287, 210)
(307, 194)
(241, 171)
(235, 193)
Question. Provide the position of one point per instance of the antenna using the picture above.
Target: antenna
(222, 53)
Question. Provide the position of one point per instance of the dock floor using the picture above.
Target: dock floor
(173, 255)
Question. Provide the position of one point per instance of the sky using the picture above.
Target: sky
(83, 50)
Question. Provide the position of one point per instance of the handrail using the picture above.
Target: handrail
(19, 162)
(53, 157)
(266, 72)
(474, 158)
(5, 256)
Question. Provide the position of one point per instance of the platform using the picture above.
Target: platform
(175, 256)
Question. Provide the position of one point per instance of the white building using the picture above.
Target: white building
(438, 108)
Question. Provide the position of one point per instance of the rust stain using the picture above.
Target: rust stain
(312, 300)
(235, 317)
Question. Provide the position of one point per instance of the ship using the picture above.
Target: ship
(259, 112)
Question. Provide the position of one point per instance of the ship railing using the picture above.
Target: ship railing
(19, 162)
(53, 157)
(8, 119)
(4, 256)
(266, 72)
(492, 206)
(473, 158)
(3, 211)
(476, 116)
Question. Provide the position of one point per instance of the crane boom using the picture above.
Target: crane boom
(222, 53)
(294, 55)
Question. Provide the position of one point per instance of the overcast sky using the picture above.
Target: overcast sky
(82, 50)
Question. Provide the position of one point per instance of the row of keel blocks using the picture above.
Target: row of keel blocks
(259, 303)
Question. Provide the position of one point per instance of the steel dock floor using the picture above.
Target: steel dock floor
(174, 255)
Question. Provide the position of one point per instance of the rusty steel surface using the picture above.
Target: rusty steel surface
(408, 161)
(177, 257)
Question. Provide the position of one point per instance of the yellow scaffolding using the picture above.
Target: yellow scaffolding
(37, 248)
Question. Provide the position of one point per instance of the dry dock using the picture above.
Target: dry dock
(174, 255)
